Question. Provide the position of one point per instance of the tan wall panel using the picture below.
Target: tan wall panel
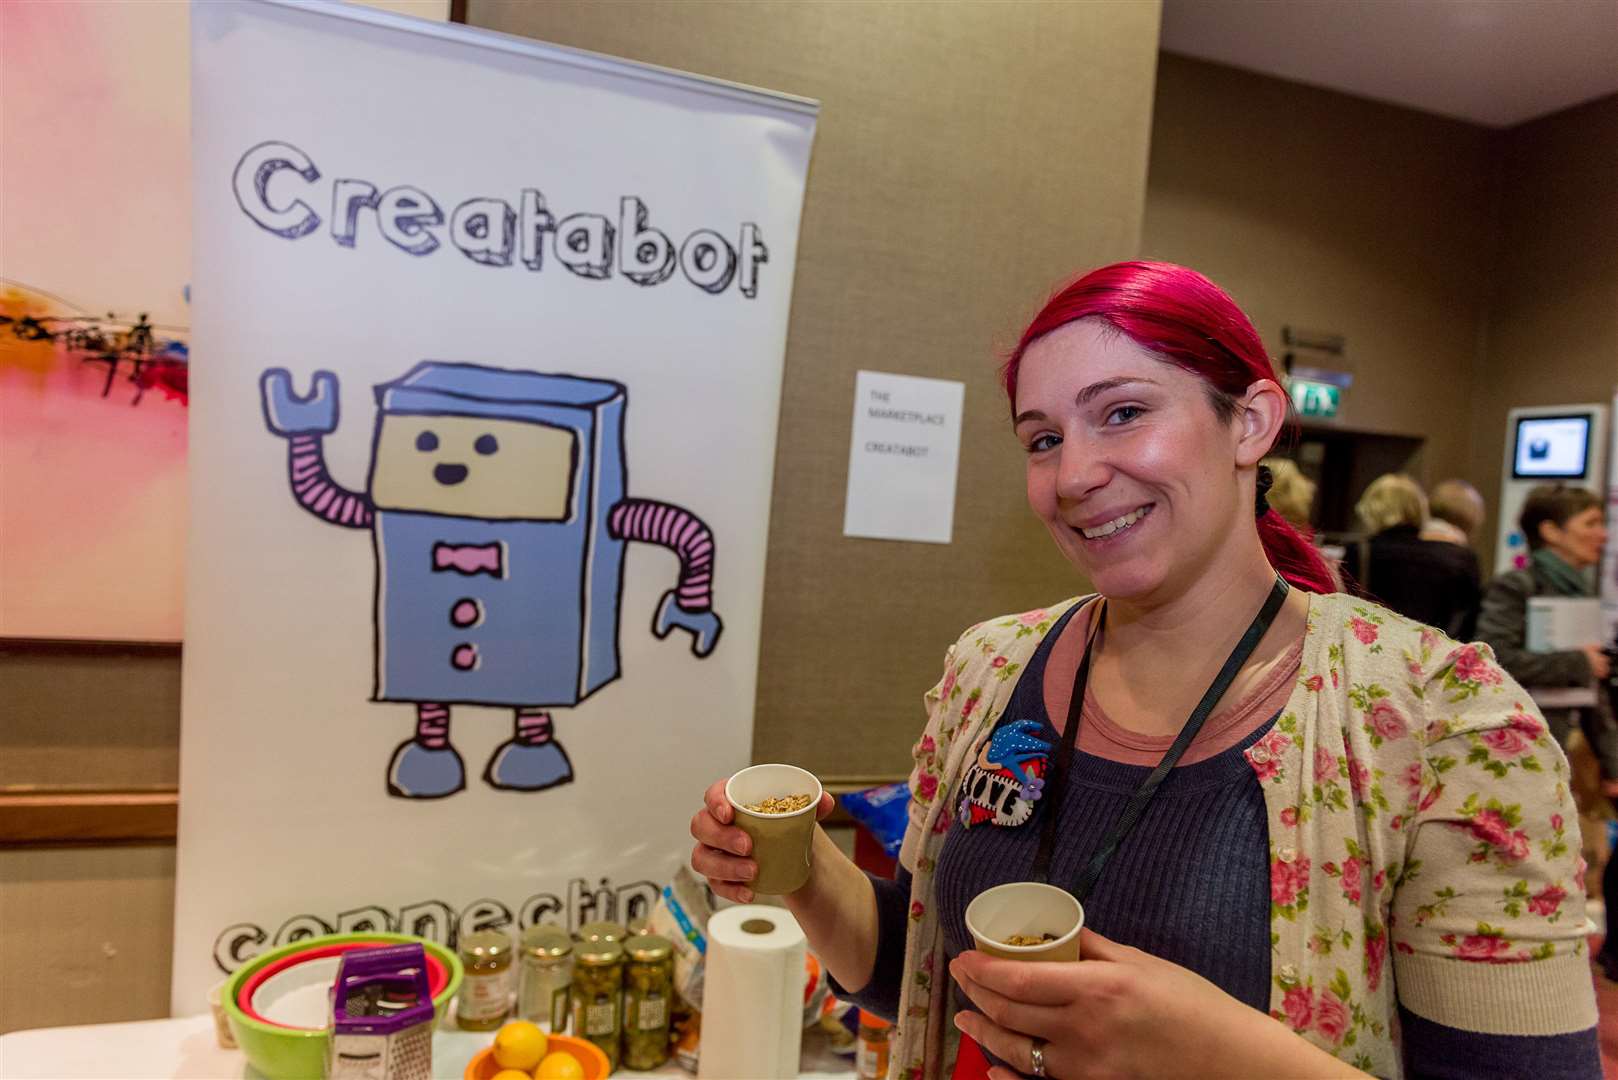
(968, 156)
(88, 935)
(73, 716)
(1553, 311)
(1329, 212)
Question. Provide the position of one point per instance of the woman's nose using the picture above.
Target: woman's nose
(1082, 470)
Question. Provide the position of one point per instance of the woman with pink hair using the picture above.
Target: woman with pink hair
(1311, 837)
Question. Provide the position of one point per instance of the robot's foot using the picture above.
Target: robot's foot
(516, 767)
(419, 772)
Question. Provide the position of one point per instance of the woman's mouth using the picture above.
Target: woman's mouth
(1109, 530)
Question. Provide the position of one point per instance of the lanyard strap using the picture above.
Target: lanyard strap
(1136, 807)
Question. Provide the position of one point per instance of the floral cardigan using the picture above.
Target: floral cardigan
(1416, 804)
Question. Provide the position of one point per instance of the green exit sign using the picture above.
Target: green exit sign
(1317, 399)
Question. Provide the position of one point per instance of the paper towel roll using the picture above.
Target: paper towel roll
(752, 1000)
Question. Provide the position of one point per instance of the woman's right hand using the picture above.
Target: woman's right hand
(722, 850)
(1599, 665)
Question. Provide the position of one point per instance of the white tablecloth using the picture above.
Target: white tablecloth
(185, 1048)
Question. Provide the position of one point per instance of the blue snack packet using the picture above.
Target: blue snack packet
(884, 811)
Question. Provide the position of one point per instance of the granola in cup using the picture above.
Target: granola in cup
(1026, 920)
(775, 805)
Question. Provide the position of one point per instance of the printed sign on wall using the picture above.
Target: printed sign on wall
(903, 457)
(480, 473)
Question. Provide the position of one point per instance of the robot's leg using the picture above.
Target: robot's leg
(531, 760)
(427, 766)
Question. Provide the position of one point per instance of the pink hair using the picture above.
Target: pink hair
(1187, 320)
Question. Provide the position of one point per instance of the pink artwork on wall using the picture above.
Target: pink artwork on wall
(94, 219)
(92, 473)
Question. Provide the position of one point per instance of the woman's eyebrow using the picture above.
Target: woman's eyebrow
(1089, 393)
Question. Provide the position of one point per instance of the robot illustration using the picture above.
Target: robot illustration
(1008, 776)
(497, 510)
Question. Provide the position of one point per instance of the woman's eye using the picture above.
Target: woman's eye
(1042, 442)
(1123, 414)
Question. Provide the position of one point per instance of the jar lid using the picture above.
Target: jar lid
(486, 945)
(649, 948)
(604, 930)
(546, 942)
(637, 927)
(600, 953)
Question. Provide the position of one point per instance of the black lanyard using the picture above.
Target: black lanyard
(1137, 804)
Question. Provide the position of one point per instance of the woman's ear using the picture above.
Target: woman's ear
(1261, 414)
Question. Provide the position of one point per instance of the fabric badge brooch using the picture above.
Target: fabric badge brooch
(1008, 777)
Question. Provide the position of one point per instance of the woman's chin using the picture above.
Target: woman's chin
(1124, 582)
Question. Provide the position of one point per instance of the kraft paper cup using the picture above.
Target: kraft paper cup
(1029, 909)
(780, 841)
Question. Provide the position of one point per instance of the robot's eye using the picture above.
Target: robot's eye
(486, 444)
(426, 441)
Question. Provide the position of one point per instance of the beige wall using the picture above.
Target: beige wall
(1330, 212)
(968, 156)
(1552, 307)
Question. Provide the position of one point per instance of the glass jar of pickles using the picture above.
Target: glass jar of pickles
(598, 986)
(648, 998)
(547, 973)
(485, 995)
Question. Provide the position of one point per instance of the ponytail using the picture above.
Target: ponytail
(1293, 557)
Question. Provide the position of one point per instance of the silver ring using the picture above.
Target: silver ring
(1036, 1058)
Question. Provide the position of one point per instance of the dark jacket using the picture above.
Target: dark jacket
(1503, 624)
(1431, 581)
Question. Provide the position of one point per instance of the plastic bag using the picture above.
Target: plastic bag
(884, 811)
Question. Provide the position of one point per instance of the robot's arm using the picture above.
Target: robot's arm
(689, 605)
(303, 422)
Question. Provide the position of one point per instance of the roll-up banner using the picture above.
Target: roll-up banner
(480, 473)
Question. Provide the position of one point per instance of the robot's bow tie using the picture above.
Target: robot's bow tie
(468, 559)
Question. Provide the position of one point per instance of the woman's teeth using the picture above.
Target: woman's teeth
(1115, 525)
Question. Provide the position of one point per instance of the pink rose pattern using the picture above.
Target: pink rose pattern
(1346, 1016)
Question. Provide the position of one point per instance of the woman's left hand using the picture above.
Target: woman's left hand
(1123, 1012)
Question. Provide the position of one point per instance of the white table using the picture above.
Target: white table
(185, 1048)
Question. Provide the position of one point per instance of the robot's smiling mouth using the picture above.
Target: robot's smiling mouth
(449, 474)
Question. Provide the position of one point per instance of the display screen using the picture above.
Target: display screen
(1552, 447)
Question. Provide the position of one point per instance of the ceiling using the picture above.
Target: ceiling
(1491, 62)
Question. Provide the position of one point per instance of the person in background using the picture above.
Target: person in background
(1322, 880)
(1292, 494)
(1456, 513)
(1429, 581)
(1566, 534)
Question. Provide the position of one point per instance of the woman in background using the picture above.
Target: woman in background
(1426, 580)
(1291, 494)
(1325, 877)
(1566, 535)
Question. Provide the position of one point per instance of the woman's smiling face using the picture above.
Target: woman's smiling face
(1130, 466)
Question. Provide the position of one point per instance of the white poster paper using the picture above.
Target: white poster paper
(480, 473)
(903, 457)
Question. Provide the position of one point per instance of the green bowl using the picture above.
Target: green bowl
(283, 1053)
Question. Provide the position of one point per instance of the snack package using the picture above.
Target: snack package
(839, 1025)
(884, 811)
(816, 989)
(681, 915)
(687, 1036)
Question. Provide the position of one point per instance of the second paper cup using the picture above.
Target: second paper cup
(1026, 909)
(780, 841)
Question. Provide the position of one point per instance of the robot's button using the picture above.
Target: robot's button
(467, 612)
(464, 658)
(1514, 540)
(1520, 562)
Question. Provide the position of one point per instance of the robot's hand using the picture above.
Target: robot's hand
(704, 626)
(288, 414)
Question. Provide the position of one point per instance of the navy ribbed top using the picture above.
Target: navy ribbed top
(1190, 885)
